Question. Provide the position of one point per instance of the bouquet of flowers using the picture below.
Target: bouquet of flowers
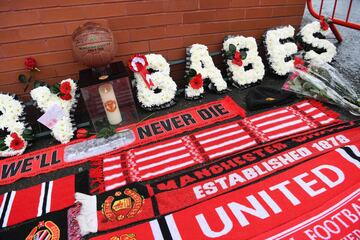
(324, 83)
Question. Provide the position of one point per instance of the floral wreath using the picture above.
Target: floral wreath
(280, 49)
(199, 60)
(18, 134)
(64, 95)
(312, 39)
(244, 66)
(155, 88)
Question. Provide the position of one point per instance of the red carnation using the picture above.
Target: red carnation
(30, 63)
(298, 61)
(65, 88)
(237, 59)
(82, 133)
(16, 143)
(196, 82)
(66, 97)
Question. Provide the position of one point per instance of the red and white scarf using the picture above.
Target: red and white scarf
(199, 186)
(21, 205)
(155, 160)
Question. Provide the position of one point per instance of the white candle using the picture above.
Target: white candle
(110, 104)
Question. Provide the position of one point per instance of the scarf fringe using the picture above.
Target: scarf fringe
(73, 224)
(229, 101)
(87, 217)
(324, 109)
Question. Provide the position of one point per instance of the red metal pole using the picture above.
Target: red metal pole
(333, 13)
(348, 13)
(336, 32)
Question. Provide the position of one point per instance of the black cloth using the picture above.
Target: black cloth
(264, 97)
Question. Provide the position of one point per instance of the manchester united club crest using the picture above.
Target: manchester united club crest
(110, 105)
(45, 230)
(126, 236)
(122, 205)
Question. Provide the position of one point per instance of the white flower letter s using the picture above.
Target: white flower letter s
(317, 49)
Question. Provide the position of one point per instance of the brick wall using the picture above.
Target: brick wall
(42, 29)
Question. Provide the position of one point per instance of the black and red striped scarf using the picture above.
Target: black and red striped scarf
(175, 200)
(36, 201)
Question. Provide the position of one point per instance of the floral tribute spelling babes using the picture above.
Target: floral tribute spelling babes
(64, 96)
(312, 39)
(200, 67)
(155, 88)
(17, 134)
(244, 66)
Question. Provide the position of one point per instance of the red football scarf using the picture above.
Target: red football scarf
(291, 203)
(193, 187)
(165, 157)
(52, 158)
(36, 201)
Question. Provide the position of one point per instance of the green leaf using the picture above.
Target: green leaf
(55, 88)
(192, 73)
(229, 55)
(37, 84)
(243, 55)
(232, 48)
(22, 78)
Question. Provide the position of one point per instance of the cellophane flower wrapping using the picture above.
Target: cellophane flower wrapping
(323, 82)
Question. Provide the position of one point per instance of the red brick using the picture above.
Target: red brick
(300, 2)
(59, 43)
(61, 14)
(182, 30)
(242, 3)
(133, 47)
(214, 27)
(5, 5)
(144, 7)
(104, 10)
(176, 54)
(183, 5)
(42, 31)
(288, 11)
(23, 48)
(77, 2)
(122, 36)
(9, 35)
(33, 4)
(272, 2)
(211, 4)
(53, 58)
(199, 16)
(205, 39)
(20, 18)
(147, 33)
(168, 43)
(69, 69)
(262, 12)
(229, 14)
(145, 21)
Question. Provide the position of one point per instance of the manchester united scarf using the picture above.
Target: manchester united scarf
(165, 157)
(36, 201)
(53, 158)
(197, 189)
(51, 226)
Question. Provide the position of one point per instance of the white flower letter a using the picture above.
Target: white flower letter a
(200, 60)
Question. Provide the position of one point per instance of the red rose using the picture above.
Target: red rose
(65, 88)
(17, 143)
(66, 97)
(82, 133)
(30, 63)
(237, 59)
(298, 61)
(196, 82)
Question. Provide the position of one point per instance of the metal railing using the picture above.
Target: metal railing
(332, 19)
